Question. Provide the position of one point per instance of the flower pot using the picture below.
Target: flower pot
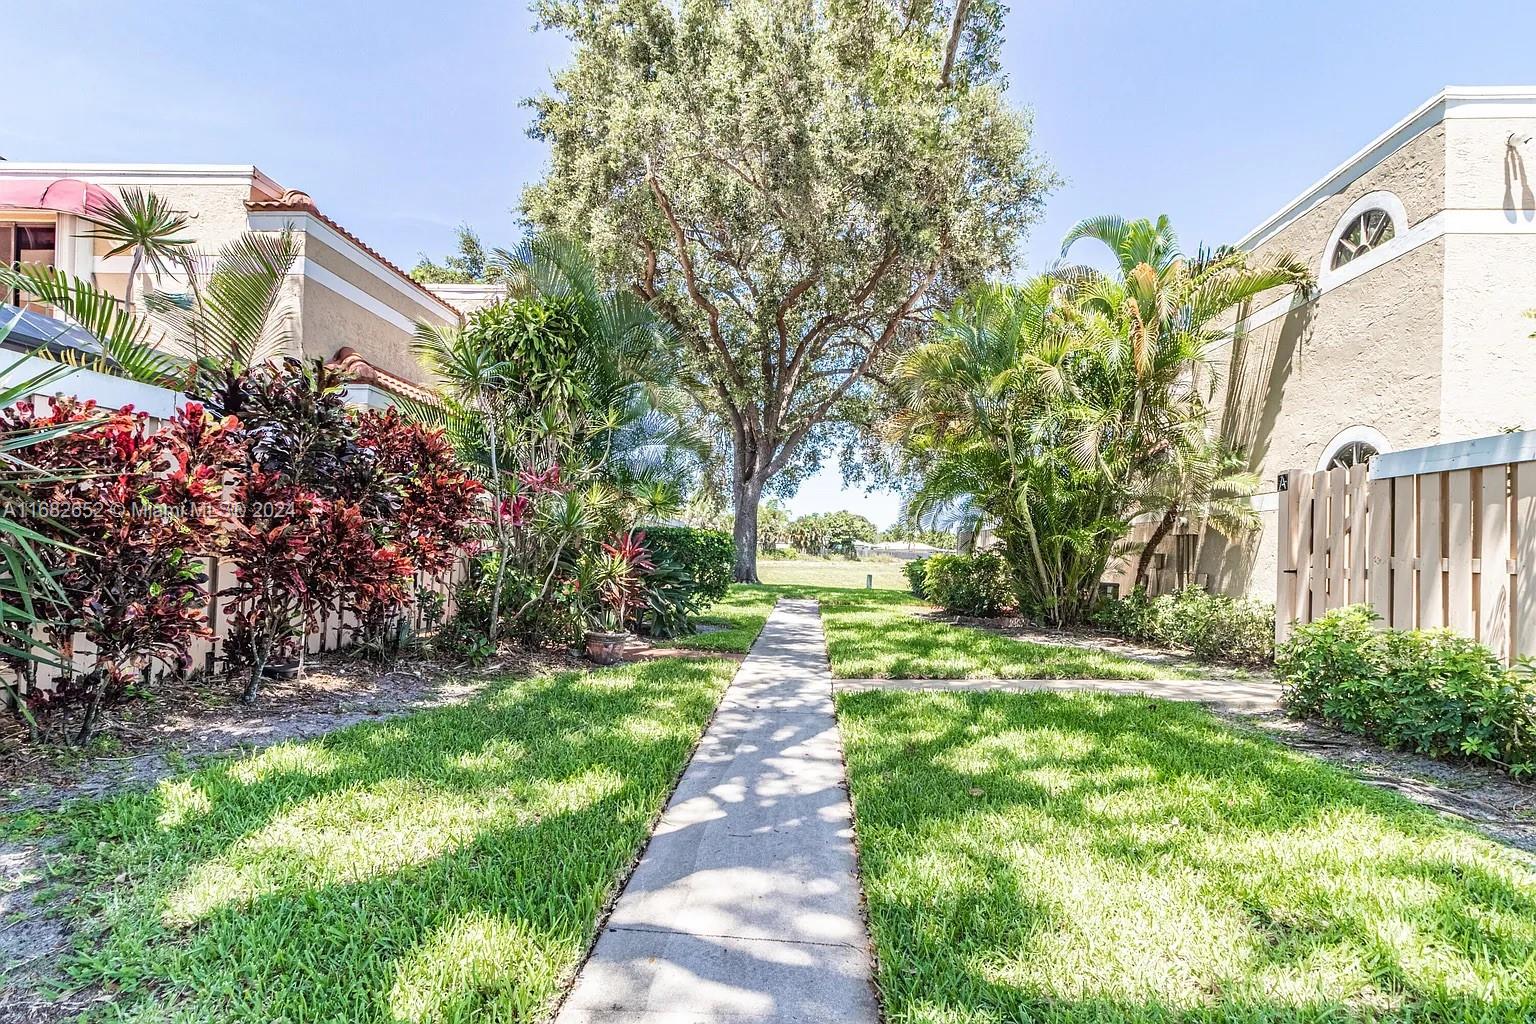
(604, 648)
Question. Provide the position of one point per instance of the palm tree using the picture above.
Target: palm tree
(1211, 486)
(474, 379)
(238, 318)
(143, 223)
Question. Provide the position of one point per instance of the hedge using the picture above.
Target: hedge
(707, 555)
(1429, 691)
(1212, 627)
(968, 584)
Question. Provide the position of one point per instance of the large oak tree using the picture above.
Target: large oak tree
(795, 185)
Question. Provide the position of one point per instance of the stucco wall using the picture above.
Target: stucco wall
(409, 303)
(1490, 358)
(1368, 352)
(331, 321)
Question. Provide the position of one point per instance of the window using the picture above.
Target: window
(1353, 446)
(1355, 453)
(1371, 229)
(26, 243)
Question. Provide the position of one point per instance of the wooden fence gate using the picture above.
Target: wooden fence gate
(1430, 538)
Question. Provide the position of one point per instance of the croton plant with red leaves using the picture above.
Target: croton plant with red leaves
(131, 508)
(440, 506)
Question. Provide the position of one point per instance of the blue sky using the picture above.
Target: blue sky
(403, 119)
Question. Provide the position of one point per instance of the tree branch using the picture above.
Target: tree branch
(956, 29)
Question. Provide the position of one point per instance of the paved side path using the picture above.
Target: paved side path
(745, 906)
(1244, 696)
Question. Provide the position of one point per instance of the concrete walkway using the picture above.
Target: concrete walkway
(745, 906)
(1247, 697)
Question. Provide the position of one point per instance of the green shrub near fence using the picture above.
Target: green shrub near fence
(1429, 691)
(968, 584)
(1212, 627)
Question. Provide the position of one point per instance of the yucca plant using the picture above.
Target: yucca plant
(143, 223)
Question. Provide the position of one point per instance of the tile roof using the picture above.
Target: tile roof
(294, 201)
(361, 370)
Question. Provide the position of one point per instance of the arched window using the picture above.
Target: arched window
(1369, 230)
(1355, 453)
(1374, 225)
(1353, 446)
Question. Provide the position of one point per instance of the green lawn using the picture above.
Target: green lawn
(832, 572)
(447, 866)
(1081, 858)
(877, 634)
(741, 614)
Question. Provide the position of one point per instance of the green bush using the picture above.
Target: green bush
(914, 571)
(1429, 691)
(1212, 627)
(705, 555)
(968, 584)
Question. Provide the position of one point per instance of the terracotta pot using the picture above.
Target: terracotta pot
(605, 648)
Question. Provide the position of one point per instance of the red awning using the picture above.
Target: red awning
(66, 195)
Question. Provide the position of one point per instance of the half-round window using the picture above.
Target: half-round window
(1355, 453)
(1370, 230)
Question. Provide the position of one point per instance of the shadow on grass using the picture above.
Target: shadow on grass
(450, 865)
(1088, 858)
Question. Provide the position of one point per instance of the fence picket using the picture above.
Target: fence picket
(1458, 552)
(1494, 591)
(1431, 608)
(1338, 538)
(1524, 618)
(1359, 504)
(1378, 589)
(1404, 551)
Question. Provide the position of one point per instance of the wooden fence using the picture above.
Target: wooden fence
(1430, 538)
(1173, 563)
(336, 632)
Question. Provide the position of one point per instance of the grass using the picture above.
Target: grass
(1088, 859)
(737, 619)
(878, 634)
(446, 866)
(832, 572)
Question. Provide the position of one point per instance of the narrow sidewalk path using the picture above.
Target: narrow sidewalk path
(1248, 697)
(745, 906)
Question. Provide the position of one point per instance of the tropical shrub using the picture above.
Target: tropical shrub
(131, 508)
(968, 584)
(916, 571)
(1063, 409)
(1429, 691)
(1212, 627)
(705, 555)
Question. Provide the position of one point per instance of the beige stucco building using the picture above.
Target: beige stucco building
(1424, 248)
(348, 303)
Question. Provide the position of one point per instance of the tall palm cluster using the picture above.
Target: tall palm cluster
(1060, 410)
(563, 376)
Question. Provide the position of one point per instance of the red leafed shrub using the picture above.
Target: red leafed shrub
(272, 541)
(440, 508)
(133, 505)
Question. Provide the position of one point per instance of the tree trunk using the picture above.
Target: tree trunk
(98, 683)
(1144, 561)
(133, 273)
(744, 497)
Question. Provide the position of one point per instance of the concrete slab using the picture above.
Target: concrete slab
(1249, 697)
(745, 906)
